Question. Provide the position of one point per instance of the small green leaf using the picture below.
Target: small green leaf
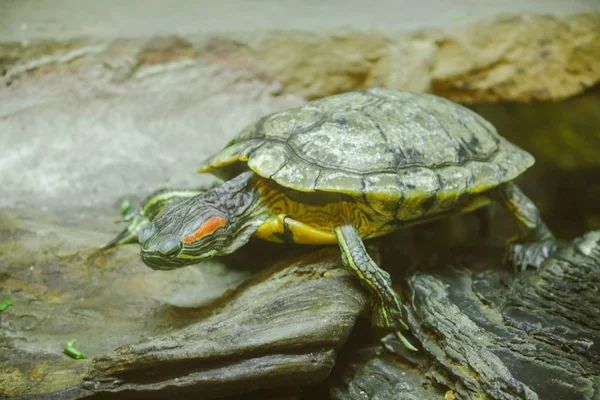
(231, 143)
(72, 352)
(125, 207)
(5, 304)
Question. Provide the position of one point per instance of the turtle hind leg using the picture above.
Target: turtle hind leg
(387, 303)
(534, 242)
(139, 217)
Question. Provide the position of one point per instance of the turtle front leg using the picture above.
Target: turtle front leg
(141, 216)
(534, 242)
(387, 303)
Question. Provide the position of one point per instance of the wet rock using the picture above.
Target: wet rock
(487, 333)
(284, 327)
(484, 331)
(280, 329)
(372, 372)
(63, 288)
(529, 336)
(66, 289)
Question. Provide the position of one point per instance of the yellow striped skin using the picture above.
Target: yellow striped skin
(275, 228)
(387, 303)
(312, 218)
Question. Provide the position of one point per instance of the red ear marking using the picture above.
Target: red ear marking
(209, 226)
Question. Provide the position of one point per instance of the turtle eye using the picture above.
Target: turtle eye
(170, 248)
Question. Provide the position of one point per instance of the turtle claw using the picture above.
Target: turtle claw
(130, 234)
(405, 341)
(125, 237)
(395, 324)
(398, 326)
(521, 255)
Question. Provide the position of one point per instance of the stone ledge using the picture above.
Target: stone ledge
(506, 58)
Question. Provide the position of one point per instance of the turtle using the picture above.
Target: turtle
(341, 170)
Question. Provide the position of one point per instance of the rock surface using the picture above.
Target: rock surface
(532, 337)
(63, 288)
(371, 372)
(469, 53)
(109, 121)
(486, 333)
(483, 333)
(518, 58)
(281, 329)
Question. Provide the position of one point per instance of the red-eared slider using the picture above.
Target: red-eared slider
(340, 170)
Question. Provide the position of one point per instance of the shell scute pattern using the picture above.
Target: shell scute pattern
(413, 135)
(355, 143)
(347, 141)
(339, 181)
(285, 124)
(301, 175)
(383, 192)
(269, 158)
(455, 180)
(476, 136)
(238, 151)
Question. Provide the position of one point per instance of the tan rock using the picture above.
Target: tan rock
(516, 58)
(12, 381)
(519, 58)
(503, 58)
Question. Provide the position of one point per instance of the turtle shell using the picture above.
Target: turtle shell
(376, 142)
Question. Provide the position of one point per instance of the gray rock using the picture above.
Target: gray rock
(488, 333)
(372, 372)
(469, 51)
(280, 329)
(63, 288)
(528, 336)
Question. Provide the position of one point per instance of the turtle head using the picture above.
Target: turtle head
(186, 233)
(213, 223)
